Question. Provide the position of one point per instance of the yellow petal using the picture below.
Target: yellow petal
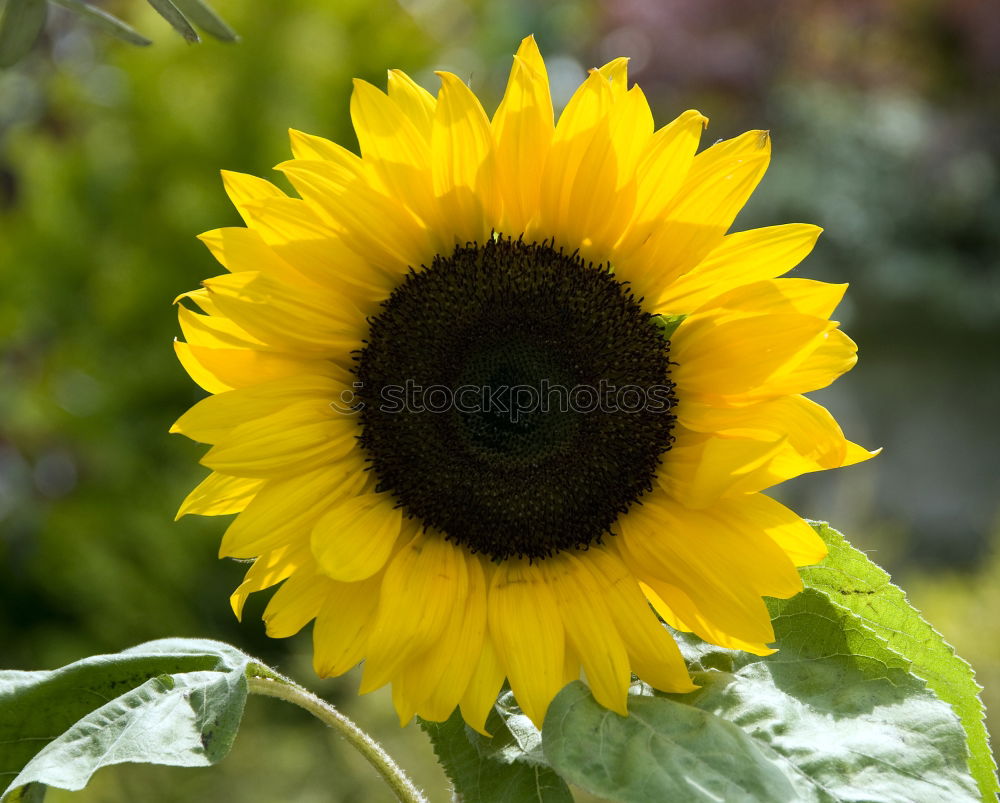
(294, 319)
(219, 370)
(834, 355)
(721, 357)
(484, 686)
(590, 629)
(398, 152)
(782, 297)
(741, 258)
(295, 604)
(703, 628)
(809, 429)
(578, 199)
(284, 509)
(303, 436)
(422, 585)
(213, 331)
(655, 537)
(343, 625)
(212, 419)
(354, 538)
(522, 127)
(786, 528)
(239, 249)
(437, 680)
(217, 495)
(413, 100)
(268, 570)
(719, 182)
(701, 469)
(528, 634)
(664, 163)
(348, 201)
(311, 147)
(463, 163)
(652, 651)
(243, 188)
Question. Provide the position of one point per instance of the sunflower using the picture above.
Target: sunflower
(499, 395)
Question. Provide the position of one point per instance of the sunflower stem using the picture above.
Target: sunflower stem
(284, 689)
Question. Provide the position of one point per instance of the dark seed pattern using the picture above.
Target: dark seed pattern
(503, 314)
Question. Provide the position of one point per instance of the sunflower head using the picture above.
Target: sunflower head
(499, 396)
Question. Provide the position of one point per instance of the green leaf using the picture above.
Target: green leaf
(852, 580)
(175, 701)
(833, 716)
(664, 750)
(202, 15)
(21, 23)
(668, 324)
(105, 21)
(479, 774)
(170, 12)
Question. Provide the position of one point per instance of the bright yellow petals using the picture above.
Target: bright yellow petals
(422, 586)
(354, 539)
(398, 151)
(218, 495)
(726, 356)
(591, 630)
(662, 167)
(741, 258)
(415, 102)
(303, 436)
(244, 190)
(463, 162)
(280, 341)
(484, 686)
(283, 507)
(343, 625)
(434, 683)
(522, 129)
(220, 369)
(716, 187)
(295, 604)
(653, 654)
(577, 202)
(528, 634)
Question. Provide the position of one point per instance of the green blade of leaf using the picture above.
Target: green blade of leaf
(105, 21)
(202, 15)
(480, 777)
(849, 578)
(177, 702)
(833, 716)
(170, 12)
(21, 23)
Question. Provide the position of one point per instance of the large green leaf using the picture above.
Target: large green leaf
(21, 22)
(481, 771)
(833, 716)
(176, 701)
(851, 580)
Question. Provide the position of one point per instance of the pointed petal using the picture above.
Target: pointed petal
(463, 162)
(528, 634)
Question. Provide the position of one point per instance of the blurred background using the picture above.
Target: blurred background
(884, 116)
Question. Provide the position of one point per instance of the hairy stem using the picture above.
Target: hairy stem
(391, 773)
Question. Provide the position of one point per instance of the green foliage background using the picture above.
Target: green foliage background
(883, 118)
